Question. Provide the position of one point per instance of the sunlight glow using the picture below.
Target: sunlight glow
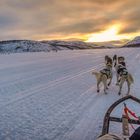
(107, 35)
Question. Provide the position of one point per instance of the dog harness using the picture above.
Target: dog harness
(122, 70)
(123, 64)
(107, 72)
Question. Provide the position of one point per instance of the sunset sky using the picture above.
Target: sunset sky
(86, 20)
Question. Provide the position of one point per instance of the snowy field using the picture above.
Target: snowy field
(52, 96)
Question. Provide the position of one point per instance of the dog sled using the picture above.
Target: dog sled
(125, 120)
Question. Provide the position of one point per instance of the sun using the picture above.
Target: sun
(110, 34)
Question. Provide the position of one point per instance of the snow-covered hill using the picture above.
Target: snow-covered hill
(113, 44)
(52, 96)
(13, 46)
(133, 43)
(72, 45)
(23, 46)
(47, 46)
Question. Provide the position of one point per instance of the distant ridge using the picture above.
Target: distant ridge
(133, 43)
(13, 46)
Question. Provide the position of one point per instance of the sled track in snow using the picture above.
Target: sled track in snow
(72, 114)
(50, 84)
(32, 76)
(53, 83)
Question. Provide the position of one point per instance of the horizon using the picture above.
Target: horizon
(116, 43)
(82, 20)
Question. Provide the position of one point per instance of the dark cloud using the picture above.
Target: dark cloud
(30, 18)
(85, 26)
(131, 20)
(6, 21)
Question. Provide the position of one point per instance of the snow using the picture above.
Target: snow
(52, 96)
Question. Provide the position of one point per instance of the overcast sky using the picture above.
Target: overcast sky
(66, 19)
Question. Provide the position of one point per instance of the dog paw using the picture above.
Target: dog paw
(97, 90)
(119, 93)
(117, 84)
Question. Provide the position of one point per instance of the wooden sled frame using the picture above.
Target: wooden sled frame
(108, 118)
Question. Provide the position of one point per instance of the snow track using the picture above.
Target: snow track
(52, 96)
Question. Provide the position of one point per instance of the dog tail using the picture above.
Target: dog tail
(97, 74)
(130, 78)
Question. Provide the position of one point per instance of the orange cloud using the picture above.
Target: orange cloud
(65, 19)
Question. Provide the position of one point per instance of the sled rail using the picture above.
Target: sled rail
(109, 118)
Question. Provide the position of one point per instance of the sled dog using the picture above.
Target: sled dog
(103, 76)
(124, 75)
(119, 64)
(121, 67)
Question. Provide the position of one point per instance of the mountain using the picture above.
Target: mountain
(13, 46)
(36, 46)
(72, 45)
(133, 43)
(114, 43)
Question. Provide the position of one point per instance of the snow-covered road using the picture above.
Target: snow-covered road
(52, 96)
